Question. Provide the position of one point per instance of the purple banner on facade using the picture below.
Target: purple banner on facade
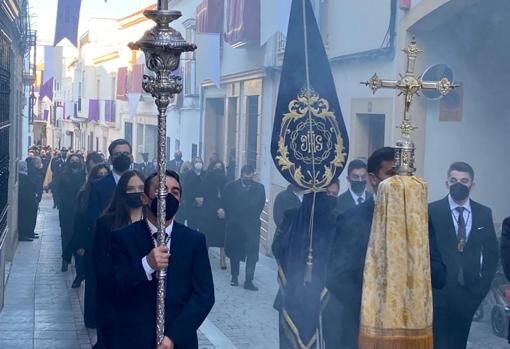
(93, 110)
(68, 19)
(46, 90)
(46, 114)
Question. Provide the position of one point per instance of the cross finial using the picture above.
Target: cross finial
(409, 85)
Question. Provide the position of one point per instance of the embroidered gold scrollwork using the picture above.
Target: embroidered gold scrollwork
(310, 134)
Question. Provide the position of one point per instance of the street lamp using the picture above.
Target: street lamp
(162, 46)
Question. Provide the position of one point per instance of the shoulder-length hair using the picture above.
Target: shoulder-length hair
(118, 207)
(84, 193)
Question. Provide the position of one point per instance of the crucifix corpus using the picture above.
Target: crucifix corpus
(162, 46)
(409, 85)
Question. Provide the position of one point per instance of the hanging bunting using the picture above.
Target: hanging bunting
(68, 20)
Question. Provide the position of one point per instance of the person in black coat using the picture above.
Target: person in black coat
(70, 182)
(357, 192)
(287, 199)
(83, 233)
(505, 252)
(175, 164)
(214, 222)
(57, 165)
(244, 201)
(125, 208)
(101, 194)
(194, 195)
(346, 262)
(26, 203)
(467, 241)
(146, 167)
(36, 176)
(189, 294)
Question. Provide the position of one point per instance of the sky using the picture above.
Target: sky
(44, 14)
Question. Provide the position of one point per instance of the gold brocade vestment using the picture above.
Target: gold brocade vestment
(396, 307)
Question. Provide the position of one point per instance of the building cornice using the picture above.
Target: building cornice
(107, 57)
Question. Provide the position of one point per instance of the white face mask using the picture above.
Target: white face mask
(199, 166)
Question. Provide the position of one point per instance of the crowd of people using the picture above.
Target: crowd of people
(463, 249)
(108, 209)
(97, 197)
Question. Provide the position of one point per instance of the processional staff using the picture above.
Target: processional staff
(162, 46)
(409, 85)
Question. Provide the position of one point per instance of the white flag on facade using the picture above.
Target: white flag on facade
(133, 100)
(208, 58)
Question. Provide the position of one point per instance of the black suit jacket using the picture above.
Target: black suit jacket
(101, 194)
(105, 298)
(190, 289)
(505, 247)
(505, 252)
(346, 202)
(174, 165)
(478, 261)
(146, 169)
(344, 278)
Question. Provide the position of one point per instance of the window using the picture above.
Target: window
(252, 115)
(188, 61)
(79, 96)
(128, 132)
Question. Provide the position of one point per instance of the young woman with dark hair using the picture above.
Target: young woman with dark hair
(125, 208)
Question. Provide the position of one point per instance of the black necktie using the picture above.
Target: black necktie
(360, 200)
(461, 233)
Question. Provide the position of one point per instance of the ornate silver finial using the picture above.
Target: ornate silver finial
(162, 46)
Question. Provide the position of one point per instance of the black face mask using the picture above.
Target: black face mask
(358, 186)
(134, 200)
(459, 192)
(121, 163)
(172, 205)
(75, 166)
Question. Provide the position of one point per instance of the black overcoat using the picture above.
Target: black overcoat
(243, 207)
(214, 227)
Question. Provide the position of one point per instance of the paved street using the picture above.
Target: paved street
(43, 311)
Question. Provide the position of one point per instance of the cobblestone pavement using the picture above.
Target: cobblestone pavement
(43, 311)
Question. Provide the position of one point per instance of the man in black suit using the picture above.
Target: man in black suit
(189, 285)
(101, 194)
(357, 192)
(287, 199)
(176, 164)
(102, 191)
(347, 258)
(467, 241)
(146, 167)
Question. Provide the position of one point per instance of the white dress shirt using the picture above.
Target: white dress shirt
(356, 197)
(148, 269)
(468, 217)
(116, 177)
